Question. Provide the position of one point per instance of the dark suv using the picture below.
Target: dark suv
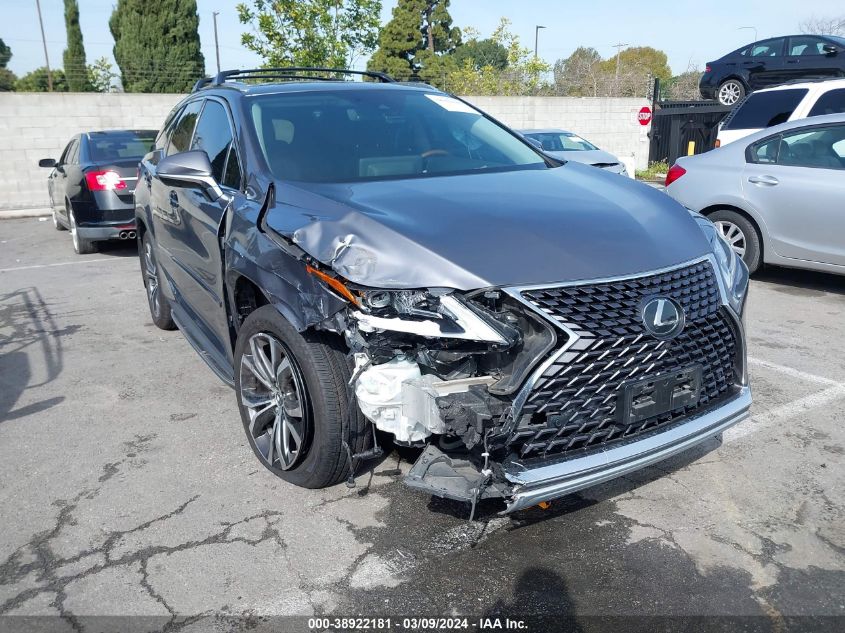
(772, 62)
(353, 256)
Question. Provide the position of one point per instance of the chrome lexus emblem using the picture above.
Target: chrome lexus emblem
(663, 317)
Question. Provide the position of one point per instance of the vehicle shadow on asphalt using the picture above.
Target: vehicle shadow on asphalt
(114, 248)
(801, 282)
(27, 329)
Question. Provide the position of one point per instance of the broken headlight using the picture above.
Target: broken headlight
(430, 313)
(733, 270)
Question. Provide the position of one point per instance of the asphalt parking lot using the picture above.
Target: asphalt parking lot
(127, 486)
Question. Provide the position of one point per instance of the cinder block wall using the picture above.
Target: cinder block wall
(39, 125)
(611, 124)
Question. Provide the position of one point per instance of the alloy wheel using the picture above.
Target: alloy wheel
(272, 390)
(730, 92)
(733, 235)
(74, 234)
(151, 278)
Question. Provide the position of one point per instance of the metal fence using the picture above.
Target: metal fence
(679, 128)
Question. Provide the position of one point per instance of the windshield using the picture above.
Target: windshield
(345, 135)
(108, 146)
(561, 141)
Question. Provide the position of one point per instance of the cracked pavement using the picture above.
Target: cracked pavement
(127, 486)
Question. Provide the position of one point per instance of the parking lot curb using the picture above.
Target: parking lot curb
(13, 214)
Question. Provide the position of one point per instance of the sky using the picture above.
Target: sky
(691, 33)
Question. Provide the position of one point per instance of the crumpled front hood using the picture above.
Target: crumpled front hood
(496, 229)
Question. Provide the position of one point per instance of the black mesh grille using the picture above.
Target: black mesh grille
(573, 404)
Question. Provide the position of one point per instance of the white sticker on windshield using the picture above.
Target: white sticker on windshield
(451, 104)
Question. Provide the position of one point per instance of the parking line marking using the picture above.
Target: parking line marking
(758, 421)
(795, 373)
(86, 261)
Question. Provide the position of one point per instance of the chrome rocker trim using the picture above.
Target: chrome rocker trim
(546, 482)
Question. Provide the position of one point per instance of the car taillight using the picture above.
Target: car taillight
(675, 172)
(104, 180)
(707, 69)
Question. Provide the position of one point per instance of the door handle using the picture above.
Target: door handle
(174, 199)
(792, 61)
(769, 181)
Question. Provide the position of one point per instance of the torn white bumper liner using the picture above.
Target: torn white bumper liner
(550, 481)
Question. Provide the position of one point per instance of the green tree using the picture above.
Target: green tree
(76, 70)
(580, 74)
(521, 76)
(156, 45)
(322, 33)
(417, 41)
(36, 81)
(7, 77)
(481, 53)
(637, 68)
(101, 75)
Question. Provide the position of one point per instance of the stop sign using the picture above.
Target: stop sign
(644, 115)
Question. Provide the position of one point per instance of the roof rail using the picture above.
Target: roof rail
(286, 73)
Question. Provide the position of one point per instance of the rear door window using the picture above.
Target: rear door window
(769, 48)
(831, 102)
(816, 148)
(765, 109)
(180, 140)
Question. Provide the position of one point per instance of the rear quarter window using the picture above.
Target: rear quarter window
(831, 102)
(765, 109)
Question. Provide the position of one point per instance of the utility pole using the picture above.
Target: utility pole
(44, 41)
(214, 15)
(536, 35)
(618, 48)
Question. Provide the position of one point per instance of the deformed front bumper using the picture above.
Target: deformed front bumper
(548, 481)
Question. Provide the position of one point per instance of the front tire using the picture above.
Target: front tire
(159, 307)
(293, 400)
(742, 236)
(730, 92)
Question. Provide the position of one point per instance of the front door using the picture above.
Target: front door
(800, 195)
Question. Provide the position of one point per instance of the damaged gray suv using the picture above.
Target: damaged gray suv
(354, 256)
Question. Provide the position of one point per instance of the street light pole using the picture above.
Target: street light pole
(536, 36)
(44, 41)
(618, 48)
(214, 15)
(753, 28)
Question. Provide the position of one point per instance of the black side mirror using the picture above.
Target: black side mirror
(189, 168)
(47, 162)
(830, 49)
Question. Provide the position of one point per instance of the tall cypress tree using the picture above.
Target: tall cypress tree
(157, 45)
(417, 35)
(76, 70)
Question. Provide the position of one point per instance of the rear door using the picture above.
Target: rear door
(766, 63)
(797, 183)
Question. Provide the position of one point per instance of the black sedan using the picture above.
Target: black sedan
(772, 62)
(91, 185)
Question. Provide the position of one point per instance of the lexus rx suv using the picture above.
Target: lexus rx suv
(354, 256)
